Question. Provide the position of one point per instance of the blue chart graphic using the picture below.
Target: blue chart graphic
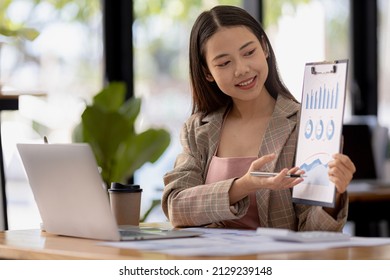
(319, 129)
(321, 125)
(316, 170)
(323, 98)
(309, 129)
(330, 130)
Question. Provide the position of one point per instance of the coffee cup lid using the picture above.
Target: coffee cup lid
(118, 187)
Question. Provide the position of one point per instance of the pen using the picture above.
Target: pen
(270, 174)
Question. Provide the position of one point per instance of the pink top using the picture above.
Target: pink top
(226, 168)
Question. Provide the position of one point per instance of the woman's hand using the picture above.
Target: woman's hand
(249, 183)
(280, 181)
(341, 170)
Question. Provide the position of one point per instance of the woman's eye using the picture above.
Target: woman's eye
(223, 64)
(250, 52)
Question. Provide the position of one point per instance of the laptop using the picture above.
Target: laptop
(71, 196)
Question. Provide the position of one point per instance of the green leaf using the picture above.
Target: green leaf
(105, 131)
(112, 97)
(130, 109)
(145, 147)
(25, 33)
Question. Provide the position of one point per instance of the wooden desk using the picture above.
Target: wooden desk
(369, 205)
(369, 191)
(34, 244)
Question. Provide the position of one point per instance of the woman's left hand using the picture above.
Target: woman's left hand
(341, 170)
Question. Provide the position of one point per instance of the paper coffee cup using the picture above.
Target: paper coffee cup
(125, 203)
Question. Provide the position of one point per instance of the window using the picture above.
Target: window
(64, 62)
(306, 31)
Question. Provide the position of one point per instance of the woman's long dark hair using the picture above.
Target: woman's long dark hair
(207, 96)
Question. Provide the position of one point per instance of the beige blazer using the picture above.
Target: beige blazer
(188, 201)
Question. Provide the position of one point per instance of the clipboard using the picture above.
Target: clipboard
(320, 130)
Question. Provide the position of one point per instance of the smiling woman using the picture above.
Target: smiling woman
(243, 120)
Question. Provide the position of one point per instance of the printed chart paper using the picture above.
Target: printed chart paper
(320, 129)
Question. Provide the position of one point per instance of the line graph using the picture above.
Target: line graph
(316, 169)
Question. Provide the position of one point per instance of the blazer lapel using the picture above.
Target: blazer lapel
(214, 126)
(279, 130)
(277, 133)
(208, 135)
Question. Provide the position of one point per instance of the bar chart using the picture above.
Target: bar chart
(322, 98)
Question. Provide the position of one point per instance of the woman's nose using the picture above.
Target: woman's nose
(241, 68)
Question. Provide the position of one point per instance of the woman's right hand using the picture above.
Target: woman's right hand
(249, 183)
(280, 181)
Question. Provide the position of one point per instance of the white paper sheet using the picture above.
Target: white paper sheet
(227, 242)
(319, 136)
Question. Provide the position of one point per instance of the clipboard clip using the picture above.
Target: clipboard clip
(331, 71)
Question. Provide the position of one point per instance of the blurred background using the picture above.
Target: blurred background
(71, 60)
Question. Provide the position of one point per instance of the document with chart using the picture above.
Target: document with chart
(320, 130)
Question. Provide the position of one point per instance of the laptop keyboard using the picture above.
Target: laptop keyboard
(124, 233)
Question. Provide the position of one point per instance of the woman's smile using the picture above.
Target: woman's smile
(248, 83)
(237, 63)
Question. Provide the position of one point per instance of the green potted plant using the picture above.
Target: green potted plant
(108, 125)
